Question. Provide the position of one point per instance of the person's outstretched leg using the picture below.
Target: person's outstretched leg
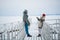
(26, 29)
(39, 29)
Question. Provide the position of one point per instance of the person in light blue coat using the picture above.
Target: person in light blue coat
(26, 22)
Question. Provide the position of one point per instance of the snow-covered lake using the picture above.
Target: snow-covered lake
(9, 19)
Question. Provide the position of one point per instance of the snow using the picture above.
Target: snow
(33, 28)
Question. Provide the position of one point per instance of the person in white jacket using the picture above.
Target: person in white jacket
(40, 23)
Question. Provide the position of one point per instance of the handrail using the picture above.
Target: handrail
(47, 32)
(51, 28)
(55, 24)
(18, 33)
(20, 30)
(11, 31)
(51, 19)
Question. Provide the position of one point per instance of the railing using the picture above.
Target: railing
(16, 31)
(12, 31)
(47, 34)
(55, 24)
(48, 31)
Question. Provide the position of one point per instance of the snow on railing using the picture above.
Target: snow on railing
(15, 31)
(12, 31)
(55, 25)
(48, 33)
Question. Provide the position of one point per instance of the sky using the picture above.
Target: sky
(34, 7)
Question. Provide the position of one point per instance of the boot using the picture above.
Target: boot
(39, 35)
(29, 35)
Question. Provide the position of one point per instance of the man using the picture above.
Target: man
(40, 24)
(26, 22)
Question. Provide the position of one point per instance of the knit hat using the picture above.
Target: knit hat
(43, 14)
(25, 12)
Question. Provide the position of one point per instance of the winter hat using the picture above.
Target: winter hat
(25, 12)
(43, 14)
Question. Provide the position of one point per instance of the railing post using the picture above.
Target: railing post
(1, 36)
(4, 30)
(56, 22)
(4, 37)
(12, 31)
(55, 36)
(58, 36)
(8, 35)
(59, 21)
(16, 31)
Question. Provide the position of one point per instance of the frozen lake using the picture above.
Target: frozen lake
(9, 19)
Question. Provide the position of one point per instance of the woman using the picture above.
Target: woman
(40, 24)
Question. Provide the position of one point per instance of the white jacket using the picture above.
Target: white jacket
(40, 21)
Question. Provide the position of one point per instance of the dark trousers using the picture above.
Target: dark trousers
(26, 28)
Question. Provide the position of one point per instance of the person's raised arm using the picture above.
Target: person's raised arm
(38, 19)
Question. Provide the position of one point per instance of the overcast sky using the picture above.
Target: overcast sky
(34, 7)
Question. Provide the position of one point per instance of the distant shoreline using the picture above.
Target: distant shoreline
(35, 15)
